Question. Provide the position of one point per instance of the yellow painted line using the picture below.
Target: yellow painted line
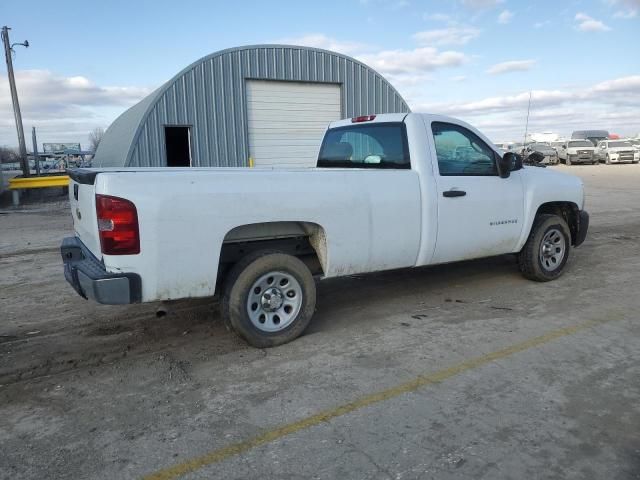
(221, 454)
(39, 182)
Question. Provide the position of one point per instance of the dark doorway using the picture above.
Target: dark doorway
(177, 145)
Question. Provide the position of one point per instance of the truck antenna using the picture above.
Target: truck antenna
(526, 128)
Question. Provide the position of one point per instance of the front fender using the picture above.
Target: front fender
(544, 187)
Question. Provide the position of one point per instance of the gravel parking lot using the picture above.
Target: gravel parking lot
(457, 371)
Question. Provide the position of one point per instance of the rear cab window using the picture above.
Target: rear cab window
(377, 145)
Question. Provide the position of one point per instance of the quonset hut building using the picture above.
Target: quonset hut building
(268, 105)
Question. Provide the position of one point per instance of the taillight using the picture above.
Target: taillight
(117, 225)
(363, 118)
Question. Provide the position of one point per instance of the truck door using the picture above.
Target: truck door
(479, 213)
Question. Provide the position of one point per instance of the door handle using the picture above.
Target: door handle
(454, 193)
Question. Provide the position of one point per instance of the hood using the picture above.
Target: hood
(588, 149)
(545, 150)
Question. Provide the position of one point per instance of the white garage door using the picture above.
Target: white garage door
(287, 121)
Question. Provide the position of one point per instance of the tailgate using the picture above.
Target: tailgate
(82, 199)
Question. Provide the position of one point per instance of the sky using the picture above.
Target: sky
(477, 60)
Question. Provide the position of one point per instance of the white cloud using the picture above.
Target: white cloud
(481, 4)
(447, 36)
(612, 105)
(438, 17)
(458, 78)
(589, 24)
(629, 10)
(626, 14)
(400, 62)
(389, 5)
(511, 66)
(544, 23)
(319, 40)
(505, 17)
(62, 108)
(422, 59)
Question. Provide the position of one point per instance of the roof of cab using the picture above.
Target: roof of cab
(381, 118)
(398, 117)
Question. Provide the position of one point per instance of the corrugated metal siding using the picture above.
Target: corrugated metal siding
(115, 145)
(210, 96)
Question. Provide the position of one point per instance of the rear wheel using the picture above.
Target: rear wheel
(546, 252)
(269, 298)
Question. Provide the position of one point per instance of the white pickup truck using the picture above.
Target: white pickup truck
(389, 191)
(577, 151)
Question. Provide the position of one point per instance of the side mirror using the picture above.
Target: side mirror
(505, 164)
(517, 162)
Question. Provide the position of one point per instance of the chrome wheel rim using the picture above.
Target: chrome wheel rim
(274, 301)
(552, 249)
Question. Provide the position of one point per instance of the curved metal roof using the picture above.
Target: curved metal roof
(134, 138)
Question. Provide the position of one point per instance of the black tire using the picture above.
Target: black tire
(568, 161)
(608, 160)
(238, 286)
(531, 262)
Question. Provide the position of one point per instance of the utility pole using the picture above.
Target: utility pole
(8, 48)
(526, 128)
(35, 150)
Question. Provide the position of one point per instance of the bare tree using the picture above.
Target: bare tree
(95, 136)
(8, 155)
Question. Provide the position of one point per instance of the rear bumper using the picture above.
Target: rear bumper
(583, 226)
(90, 279)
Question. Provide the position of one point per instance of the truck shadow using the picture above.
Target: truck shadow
(192, 329)
(407, 291)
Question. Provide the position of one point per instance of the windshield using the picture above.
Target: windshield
(540, 146)
(619, 144)
(582, 143)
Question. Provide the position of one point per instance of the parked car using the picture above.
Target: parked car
(389, 191)
(594, 136)
(577, 151)
(550, 155)
(617, 151)
(515, 147)
(557, 145)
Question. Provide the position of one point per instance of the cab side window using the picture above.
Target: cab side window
(461, 152)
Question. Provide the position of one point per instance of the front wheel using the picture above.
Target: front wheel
(269, 298)
(608, 160)
(546, 252)
(568, 161)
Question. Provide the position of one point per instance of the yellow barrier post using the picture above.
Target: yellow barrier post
(17, 184)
